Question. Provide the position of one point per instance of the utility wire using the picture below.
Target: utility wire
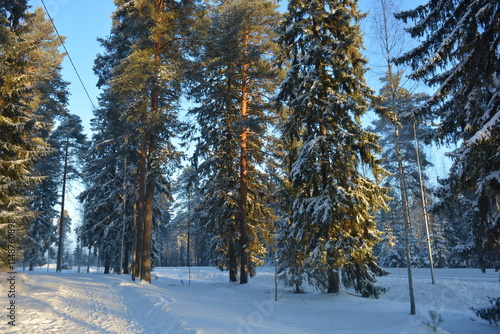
(69, 57)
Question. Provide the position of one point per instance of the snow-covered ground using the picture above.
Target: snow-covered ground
(204, 302)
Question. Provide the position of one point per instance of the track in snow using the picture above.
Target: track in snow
(71, 303)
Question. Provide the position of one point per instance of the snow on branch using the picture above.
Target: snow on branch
(484, 132)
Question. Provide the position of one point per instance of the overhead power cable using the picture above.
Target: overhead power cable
(69, 56)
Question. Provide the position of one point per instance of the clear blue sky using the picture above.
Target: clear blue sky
(83, 21)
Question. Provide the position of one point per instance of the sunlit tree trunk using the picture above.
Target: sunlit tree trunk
(244, 171)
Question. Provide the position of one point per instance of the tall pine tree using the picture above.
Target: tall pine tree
(143, 69)
(332, 213)
(71, 143)
(233, 117)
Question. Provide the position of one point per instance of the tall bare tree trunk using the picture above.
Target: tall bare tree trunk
(233, 268)
(140, 210)
(244, 172)
(124, 211)
(424, 202)
(390, 39)
(407, 229)
(148, 232)
(150, 183)
(60, 246)
(134, 268)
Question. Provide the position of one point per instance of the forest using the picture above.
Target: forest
(232, 134)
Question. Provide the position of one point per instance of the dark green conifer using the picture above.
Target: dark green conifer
(332, 214)
(29, 73)
(459, 55)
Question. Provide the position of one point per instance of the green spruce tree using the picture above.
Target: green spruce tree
(51, 102)
(334, 204)
(29, 74)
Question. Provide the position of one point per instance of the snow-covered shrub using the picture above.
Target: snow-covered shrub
(491, 314)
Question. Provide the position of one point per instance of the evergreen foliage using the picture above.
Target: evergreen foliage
(184, 241)
(110, 162)
(41, 231)
(280, 151)
(449, 211)
(233, 112)
(397, 102)
(29, 77)
(141, 71)
(71, 144)
(490, 314)
(51, 102)
(459, 54)
(333, 205)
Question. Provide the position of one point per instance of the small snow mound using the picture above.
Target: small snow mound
(126, 284)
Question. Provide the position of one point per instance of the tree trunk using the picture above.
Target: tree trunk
(404, 196)
(333, 282)
(140, 212)
(150, 185)
(233, 267)
(148, 232)
(88, 260)
(60, 246)
(126, 258)
(133, 267)
(98, 258)
(244, 172)
(107, 263)
(80, 250)
(387, 48)
(121, 242)
(424, 201)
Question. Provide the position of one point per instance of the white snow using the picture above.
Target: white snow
(484, 132)
(204, 302)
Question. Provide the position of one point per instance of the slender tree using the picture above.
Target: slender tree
(459, 55)
(290, 254)
(333, 206)
(71, 144)
(110, 183)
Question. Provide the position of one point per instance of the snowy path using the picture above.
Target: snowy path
(67, 303)
(95, 303)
